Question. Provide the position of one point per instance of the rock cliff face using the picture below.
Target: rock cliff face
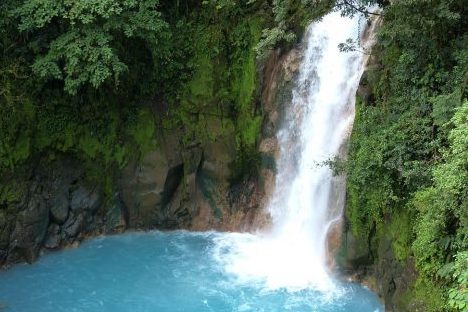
(371, 261)
(190, 187)
(171, 186)
(56, 207)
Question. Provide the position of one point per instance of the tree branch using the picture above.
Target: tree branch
(359, 9)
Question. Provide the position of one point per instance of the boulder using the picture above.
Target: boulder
(4, 236)
(148, 185)
(30, 230)
(354, 254)
(59, 205)
(115, 217)
(182, 206)
(142, 184)
(53, 238)
(84, 198)
(73, 226)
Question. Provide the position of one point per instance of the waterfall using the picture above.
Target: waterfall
(307, 198)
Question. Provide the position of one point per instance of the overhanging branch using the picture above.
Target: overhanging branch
(346, 2)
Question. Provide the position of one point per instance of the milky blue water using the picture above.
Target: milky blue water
(177, 271)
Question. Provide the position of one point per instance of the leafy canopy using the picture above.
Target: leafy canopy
(80, 41)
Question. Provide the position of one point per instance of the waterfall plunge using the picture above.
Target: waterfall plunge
(307, 198)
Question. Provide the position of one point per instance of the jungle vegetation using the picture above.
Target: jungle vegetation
(408, 162)
(101, 79)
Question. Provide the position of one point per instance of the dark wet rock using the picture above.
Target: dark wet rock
(279, 76)
(4, 234)
(30, 229)
(355, 253)
(370, 260)
(41, 216)
(3, 255)
(73, 226)
(4, 237)
(115, 220)
(368, 78)
(92, 224)
(394, 278)
(142, 186)
(180, 209)
(59, 206)
(53, 238)
(84, 198)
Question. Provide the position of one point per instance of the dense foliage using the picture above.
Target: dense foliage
(408, 168)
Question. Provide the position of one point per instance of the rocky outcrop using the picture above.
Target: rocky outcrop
(173, 186)
(371, 261)
(147, 184)
(57, 207)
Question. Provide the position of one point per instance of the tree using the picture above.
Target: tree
(352, 7)
(81, 41)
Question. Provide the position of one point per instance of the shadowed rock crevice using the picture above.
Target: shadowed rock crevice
(173, 180)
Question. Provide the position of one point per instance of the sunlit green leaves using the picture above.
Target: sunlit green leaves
(289, 15)
(87, 56)
(458, 293)
(37, 13)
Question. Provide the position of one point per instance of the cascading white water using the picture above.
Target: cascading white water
(304, 204)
